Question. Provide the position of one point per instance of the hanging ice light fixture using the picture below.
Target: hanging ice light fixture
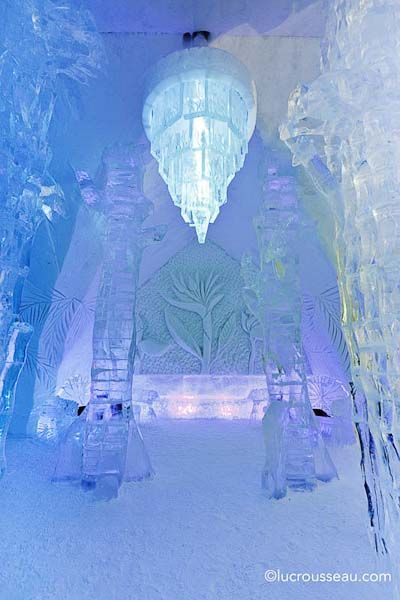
(199, 115)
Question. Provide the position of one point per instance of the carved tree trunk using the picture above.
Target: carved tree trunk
(207, 343)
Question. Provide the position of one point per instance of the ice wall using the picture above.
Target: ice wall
(343, 128)
(46, 46)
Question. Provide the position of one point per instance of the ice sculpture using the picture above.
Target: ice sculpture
(45, 48)
(200, 396)
(259, 399)
(61, 319)
(331, 396)
(274, 296)
(199, 114)
(251, 325)
(188, 316)
(343, 128)
(111, 446)
(275, 423)
(201, 296)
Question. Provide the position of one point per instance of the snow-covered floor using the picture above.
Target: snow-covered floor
(201, 530)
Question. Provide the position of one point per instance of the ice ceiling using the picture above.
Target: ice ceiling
(300, 18)
(136, 39)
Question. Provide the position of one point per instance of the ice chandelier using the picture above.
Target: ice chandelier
(199, 115)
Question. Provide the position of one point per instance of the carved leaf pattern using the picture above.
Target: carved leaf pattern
(181, 335)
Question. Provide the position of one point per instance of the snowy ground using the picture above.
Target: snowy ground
(201, 530)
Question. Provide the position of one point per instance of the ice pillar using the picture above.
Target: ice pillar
(112, 445)
(277, 287)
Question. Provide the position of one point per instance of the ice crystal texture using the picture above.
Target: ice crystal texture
(343, 128)
(45, 48)
(199, 115)
(107, 434)
(199, 396)
(275, 423)
(274, 295)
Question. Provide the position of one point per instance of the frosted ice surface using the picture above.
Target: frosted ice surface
(343, 128)
(199, 115)
(274, 428)
(112, 448)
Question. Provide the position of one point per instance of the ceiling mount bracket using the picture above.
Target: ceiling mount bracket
(196, 38)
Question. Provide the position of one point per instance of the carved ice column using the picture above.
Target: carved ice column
(344, 129)
(278, 290)
(277, 228)
(112, 443)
